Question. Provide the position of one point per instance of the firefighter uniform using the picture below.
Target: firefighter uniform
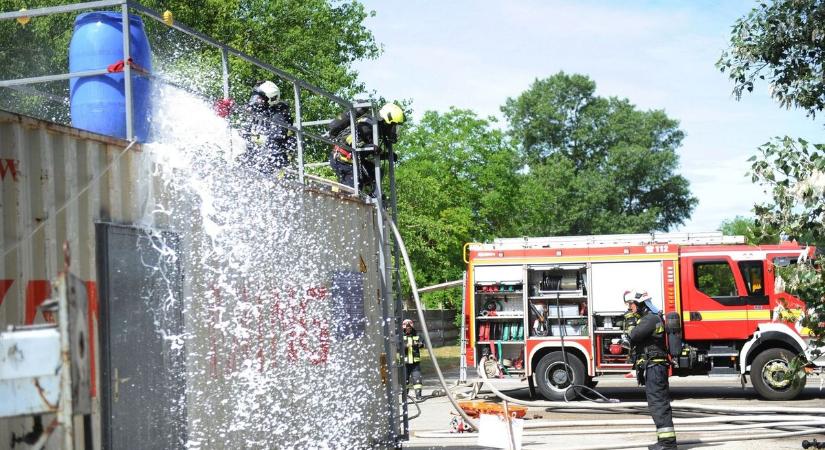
(648, 339)
(263, 126)
(412, 359)
(631, 319)
(341, 160)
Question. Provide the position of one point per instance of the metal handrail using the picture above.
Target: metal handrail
(252, 60)
(49, 78)
(49, 10)
(298, 84)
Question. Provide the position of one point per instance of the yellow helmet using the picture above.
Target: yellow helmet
(391, 113)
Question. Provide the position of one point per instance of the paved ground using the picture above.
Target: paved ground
(429, 429)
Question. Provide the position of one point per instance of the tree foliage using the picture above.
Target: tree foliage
(460, 179)
(595, 164)
(794, 173)
(755, 232)
(783, 43)
(456, 178)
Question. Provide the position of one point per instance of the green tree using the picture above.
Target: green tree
(456, 177)
(753, 231)
(595, 164)
(782, 42)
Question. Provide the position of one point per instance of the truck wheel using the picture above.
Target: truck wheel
(768, 375)
(552, 377)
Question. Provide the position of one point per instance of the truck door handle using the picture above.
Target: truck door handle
(695, 316)
(117, 380)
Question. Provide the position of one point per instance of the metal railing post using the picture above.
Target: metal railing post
(356, 160)
(127, 73)
(384, 258)
(392, 213)
(299, 135)
(65, 405)
(225, 71)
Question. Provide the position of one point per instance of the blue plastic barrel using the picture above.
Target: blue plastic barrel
(98, 103)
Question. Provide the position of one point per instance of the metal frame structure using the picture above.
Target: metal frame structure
(127, 5)
(390, 270)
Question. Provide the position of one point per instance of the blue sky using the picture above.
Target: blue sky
(658, 54)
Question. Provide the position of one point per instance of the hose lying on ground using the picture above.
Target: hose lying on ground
(807, 417)
(601, 430)
(684, 406)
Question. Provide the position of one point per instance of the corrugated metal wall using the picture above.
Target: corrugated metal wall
(316, 379)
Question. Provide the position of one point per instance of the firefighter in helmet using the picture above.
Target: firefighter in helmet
(412, 356)
(341, 160)
(269, 142)
(648, 341)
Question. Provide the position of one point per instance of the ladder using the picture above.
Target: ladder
(612, 240)
(389, 257)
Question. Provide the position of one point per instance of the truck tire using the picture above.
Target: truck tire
(552, 378)
(768, 375)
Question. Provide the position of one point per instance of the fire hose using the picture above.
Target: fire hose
(423, 323)
(812, 419)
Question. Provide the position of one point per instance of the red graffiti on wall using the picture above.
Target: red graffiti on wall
(257, 326)
(8, 167)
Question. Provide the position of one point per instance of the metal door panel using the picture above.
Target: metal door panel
(142, 376)
(723, 315)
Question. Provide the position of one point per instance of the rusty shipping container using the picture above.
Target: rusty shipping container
(250, 317)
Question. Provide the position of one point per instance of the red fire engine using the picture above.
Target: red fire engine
(532, 303)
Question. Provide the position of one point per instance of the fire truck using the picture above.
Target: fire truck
(550, 311)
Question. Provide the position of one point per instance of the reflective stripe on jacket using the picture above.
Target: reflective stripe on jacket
(411, 346)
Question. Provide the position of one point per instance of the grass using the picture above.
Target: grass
(448, 358)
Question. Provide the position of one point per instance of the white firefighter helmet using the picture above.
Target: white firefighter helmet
(641, 298)
(407, 322)
(635, 296)
(270, 91)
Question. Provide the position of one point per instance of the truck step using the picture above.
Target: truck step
(722, 350)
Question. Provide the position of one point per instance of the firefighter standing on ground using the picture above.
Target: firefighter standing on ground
(412, 356)
(341, 160)
(648, 341)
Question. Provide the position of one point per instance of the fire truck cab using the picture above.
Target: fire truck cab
(530, 304)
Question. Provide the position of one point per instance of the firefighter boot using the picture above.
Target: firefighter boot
(663, 445)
